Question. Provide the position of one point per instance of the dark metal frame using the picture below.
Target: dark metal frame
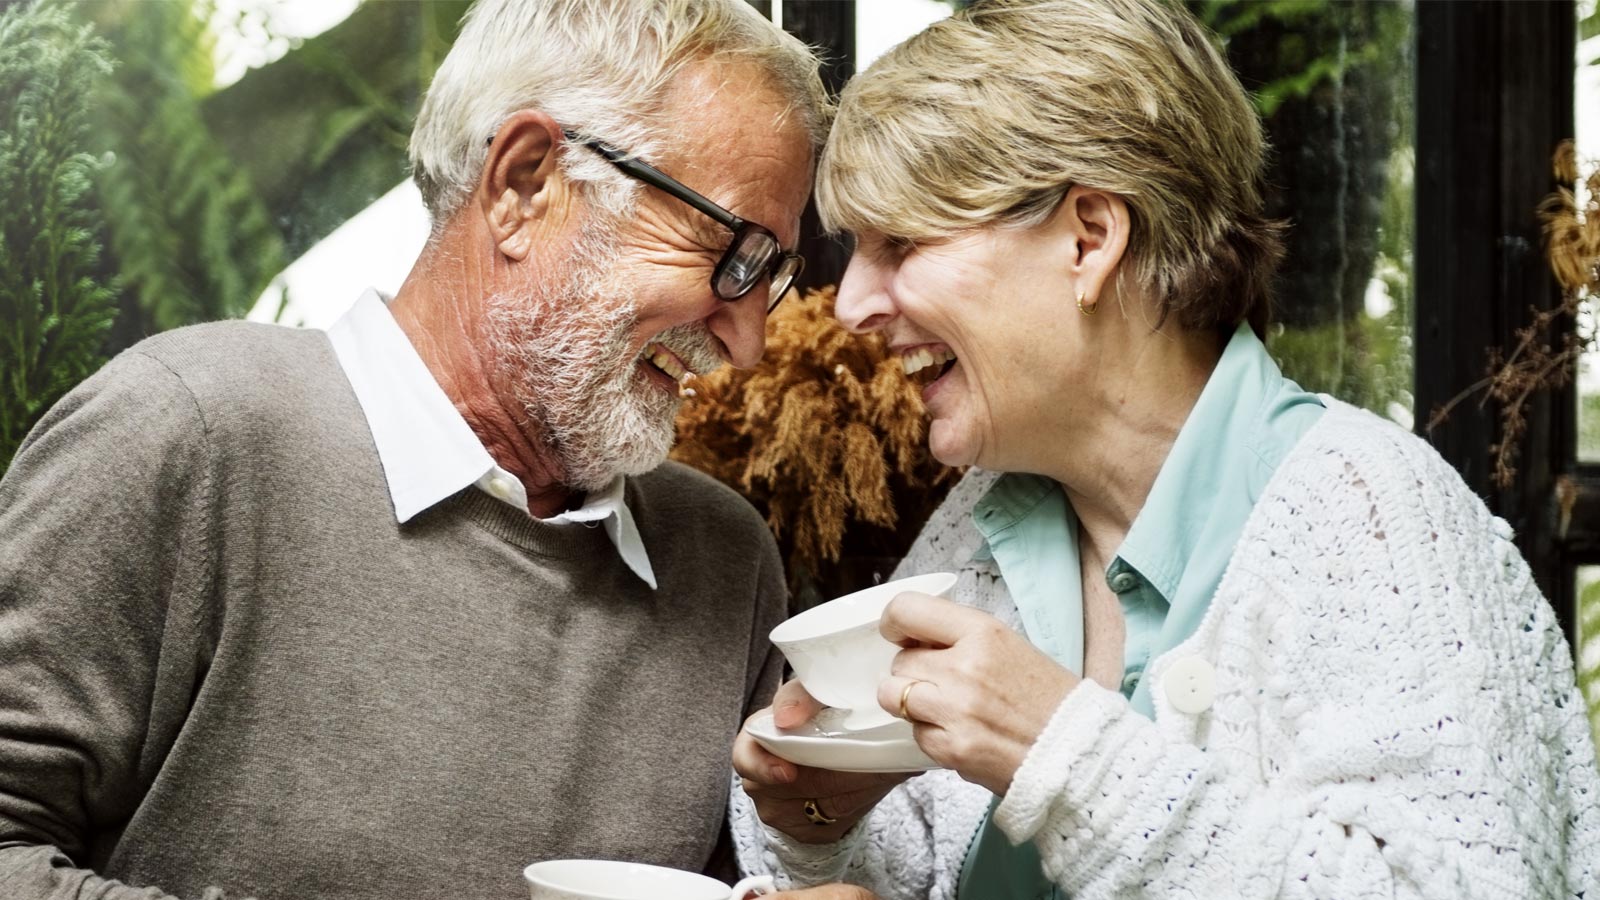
(829, 26)
(1494, 98)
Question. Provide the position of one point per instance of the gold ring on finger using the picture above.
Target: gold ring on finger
(905, 694)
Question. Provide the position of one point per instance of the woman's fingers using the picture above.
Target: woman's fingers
(843, 797)
(768, 777)
(756, 764)
(792, 706)
(848, 791)
(913, 619)
(912, 699)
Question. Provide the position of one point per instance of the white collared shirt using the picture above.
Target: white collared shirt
(428, 451)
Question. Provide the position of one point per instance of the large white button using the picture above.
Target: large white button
(1123, 582)
(1190, 685)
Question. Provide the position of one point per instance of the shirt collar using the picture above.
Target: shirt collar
(427, 450)
(1245, 421)
(1031, 534)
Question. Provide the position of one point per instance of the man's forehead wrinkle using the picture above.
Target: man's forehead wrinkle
(719, 108)
(731, 137)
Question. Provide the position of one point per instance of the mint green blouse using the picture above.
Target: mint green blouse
(1247, 418)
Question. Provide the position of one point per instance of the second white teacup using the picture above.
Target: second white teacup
(604, 879)
(838, 654)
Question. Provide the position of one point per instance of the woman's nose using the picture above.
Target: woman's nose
(863, 304)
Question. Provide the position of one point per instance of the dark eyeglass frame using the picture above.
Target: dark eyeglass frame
(782, 266)
(733, 278)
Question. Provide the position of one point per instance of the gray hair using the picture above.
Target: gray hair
(603, 67)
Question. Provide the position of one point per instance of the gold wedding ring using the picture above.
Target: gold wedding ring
(905, 694)
(816, 815)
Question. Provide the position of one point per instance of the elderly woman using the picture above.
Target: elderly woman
(1214, 636)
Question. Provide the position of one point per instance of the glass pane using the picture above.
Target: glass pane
(1587, 98)
(1334, 86)
(880, 24)
(1588, 594)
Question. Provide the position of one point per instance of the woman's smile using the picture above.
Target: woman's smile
(927, 365)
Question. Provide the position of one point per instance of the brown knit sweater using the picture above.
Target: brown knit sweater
(225, 668)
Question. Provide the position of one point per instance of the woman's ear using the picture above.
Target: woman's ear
(521, 183)
(1098, 224)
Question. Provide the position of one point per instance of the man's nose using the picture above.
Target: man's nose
(742, 327)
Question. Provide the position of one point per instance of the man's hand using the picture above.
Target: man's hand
(780, 788)
(976, 692)
(827, 892)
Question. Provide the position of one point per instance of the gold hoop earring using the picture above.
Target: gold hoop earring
(1086, 308)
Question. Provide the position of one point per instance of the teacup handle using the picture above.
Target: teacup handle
(754, 886)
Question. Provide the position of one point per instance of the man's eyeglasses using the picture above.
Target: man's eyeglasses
(754, 253)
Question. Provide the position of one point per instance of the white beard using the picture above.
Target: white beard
(564, 346)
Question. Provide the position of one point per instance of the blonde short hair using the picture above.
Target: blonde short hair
(602, 67)
(993, 114)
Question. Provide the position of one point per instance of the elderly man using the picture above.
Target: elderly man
(393, 610)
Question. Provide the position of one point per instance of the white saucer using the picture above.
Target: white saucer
(820, 743)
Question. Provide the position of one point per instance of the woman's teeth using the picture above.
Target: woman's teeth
(923, 357)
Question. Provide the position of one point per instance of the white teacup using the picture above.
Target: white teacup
(604, 879)
(838, 654)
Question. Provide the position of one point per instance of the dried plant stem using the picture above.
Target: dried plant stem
(825, 437)
(1541, 361)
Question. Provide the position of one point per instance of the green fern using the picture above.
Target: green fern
(55, 310)
(191, 239)
(1589, 652)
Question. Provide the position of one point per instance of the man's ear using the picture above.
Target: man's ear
(1098, 224)
(521, 184)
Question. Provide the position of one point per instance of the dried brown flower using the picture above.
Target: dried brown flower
(1543, 358)
(825, 438)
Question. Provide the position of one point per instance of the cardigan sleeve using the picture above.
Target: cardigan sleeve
(103, 571)
(913, 844)
(1394, 716)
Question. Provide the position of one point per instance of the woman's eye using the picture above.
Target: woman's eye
(888, 249)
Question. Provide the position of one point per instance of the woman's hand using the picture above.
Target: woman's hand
(780, 788)
(979, 694)
(828, 892)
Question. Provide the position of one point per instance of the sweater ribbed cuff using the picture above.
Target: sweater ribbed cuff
(813, 864)
(1067, 744)
(1093, 785)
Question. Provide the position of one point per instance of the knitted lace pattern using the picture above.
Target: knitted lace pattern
(1395, 715)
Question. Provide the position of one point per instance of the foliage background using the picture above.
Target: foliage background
(178, 202)
(58, 304)
(1333, 84)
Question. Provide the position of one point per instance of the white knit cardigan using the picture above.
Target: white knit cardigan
(1394, 716)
